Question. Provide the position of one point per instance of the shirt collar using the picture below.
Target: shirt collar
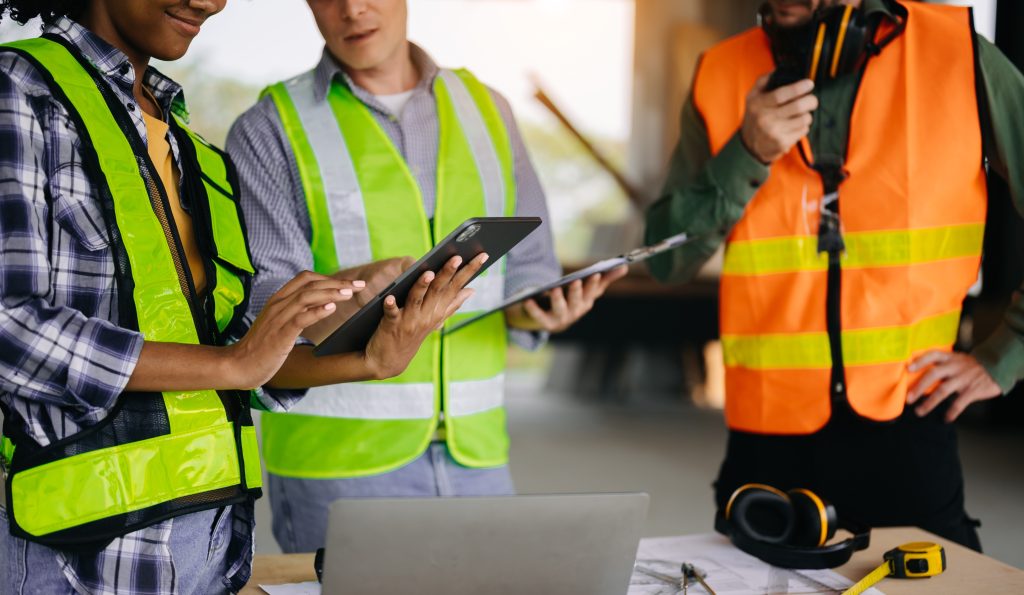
(114, 65)
(329, 69)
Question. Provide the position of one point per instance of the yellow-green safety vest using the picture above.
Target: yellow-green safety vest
(155, 455)
(364, 205)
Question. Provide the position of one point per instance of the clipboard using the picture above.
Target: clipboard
(637, 255)
(493, 235)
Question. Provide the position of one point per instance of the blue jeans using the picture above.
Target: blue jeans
(300, 505)
(198, 552)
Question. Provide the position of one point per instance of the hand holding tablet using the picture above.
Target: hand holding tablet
(493, 236)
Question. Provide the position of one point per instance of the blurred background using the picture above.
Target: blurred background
(629, 399)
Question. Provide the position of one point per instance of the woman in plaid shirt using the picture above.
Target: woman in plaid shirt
(67, 358)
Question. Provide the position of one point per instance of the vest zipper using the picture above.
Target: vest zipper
(161, 207)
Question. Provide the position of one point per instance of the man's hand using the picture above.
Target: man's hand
(566, 306)
(431, 301)
(776, 120)
(303, 301)
(377, 276)
(958, 373)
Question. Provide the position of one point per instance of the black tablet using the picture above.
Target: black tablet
(493, 235)
(637, 255)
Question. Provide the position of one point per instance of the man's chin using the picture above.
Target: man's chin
(792, 14)
(792, 17)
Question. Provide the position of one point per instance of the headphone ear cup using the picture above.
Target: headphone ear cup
(814, 519)
(854, 51)
(761, 514)
(847, 35)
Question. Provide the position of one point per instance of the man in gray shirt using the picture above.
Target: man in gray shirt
(349, 169)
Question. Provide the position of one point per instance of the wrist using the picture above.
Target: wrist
(519, 318)
(231, 368)
(374, 369)
(749, 147)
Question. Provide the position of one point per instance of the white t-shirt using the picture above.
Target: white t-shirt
(395, 103)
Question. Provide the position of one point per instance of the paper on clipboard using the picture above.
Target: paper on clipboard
(637, 255)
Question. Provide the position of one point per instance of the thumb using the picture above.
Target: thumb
(391, 309)
(761, 83)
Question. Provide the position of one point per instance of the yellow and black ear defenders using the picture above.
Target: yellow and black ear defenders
(787, 529)
(837, 41)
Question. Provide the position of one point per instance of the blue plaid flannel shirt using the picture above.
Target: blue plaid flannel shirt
(63, 358)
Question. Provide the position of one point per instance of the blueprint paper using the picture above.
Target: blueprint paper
(728, 570)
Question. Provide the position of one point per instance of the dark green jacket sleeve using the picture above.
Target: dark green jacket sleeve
(1002, 354)
(703, 196)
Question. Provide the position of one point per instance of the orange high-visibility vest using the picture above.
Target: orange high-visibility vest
(912, 211)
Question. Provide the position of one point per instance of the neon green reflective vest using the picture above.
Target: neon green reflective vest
(154, 456)
(364, 205)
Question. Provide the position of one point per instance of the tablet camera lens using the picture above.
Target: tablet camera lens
(471, 231)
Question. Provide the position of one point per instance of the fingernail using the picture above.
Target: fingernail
(484, 257)
(359, 284)
(328, 307)
(345, 292)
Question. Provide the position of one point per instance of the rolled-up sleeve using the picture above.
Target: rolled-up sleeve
(49, 353)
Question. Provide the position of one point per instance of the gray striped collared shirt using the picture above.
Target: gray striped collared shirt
(275, 207)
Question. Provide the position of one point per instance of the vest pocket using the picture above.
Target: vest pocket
(225, 218)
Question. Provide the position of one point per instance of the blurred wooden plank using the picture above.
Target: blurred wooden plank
(688, 41)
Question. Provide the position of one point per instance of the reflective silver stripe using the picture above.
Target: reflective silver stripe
(369, 401)
(475, 396)
(488, 291)
(341, 185)
(480, 143)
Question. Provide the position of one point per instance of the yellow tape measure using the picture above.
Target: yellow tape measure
(920, 559)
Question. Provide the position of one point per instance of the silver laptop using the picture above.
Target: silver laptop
(552, 544)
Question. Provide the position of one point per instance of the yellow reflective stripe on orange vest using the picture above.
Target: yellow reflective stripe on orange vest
(861, 347)
(863, 250)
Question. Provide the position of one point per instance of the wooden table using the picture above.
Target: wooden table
(967, 572)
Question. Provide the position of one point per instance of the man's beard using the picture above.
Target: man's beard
(788, 42)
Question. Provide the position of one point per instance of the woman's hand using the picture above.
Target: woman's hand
(431, 301)
(303, 301)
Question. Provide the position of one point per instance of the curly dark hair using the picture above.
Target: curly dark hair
(23, 11)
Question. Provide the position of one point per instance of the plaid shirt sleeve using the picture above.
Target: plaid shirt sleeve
(49, 353)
